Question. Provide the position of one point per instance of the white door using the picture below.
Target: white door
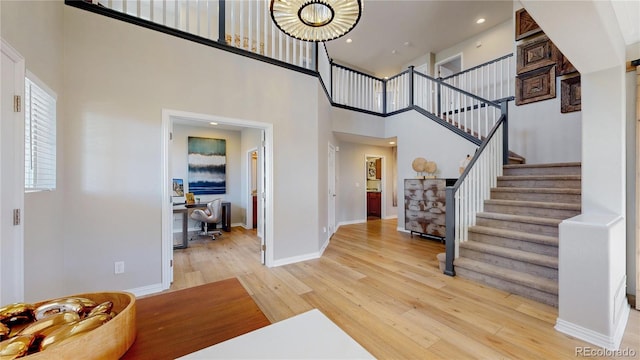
(11, 177)
(332, 190)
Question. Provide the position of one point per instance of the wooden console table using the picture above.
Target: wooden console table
(176, 323)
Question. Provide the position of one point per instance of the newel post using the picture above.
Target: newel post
(504, 109)
(411, 86)
(450, 235)
(221, 24)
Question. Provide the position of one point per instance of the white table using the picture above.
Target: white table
(310, 335)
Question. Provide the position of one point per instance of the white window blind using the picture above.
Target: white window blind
(40, 136)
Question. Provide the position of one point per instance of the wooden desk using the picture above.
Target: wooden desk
(173, 324)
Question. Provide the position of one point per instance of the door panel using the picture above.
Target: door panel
(11, 178)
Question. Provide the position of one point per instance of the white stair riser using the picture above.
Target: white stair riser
(531, 247)
(531, 211)
(536, 196)
(518, 226)
(518, 289)
(551, 170)
(540, 183)
(510, 264)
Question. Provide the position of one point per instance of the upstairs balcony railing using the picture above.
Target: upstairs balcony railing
(242, 24)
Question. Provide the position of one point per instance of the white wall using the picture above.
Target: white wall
(120, 77)
(179, 164)
(495, 42)
(419, 136)
(325, 137)
(41, 46)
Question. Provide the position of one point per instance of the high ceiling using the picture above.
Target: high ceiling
(412, 28)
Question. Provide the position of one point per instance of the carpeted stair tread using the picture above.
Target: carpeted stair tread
(518, 255)
(539, 177)
(535, 282)
(572, 191)
(562, 164)
(517, 235)
(520, 218)
(535, 204)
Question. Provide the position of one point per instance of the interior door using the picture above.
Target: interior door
(11, 177)
(332, 191)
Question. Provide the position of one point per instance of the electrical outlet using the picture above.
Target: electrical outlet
(118, 267)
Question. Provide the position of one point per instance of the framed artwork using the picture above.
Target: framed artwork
(536, 85)
(525, 25)
(570, 95)
(178, 187)
(563, 65)
(207, 165)
(534, 54)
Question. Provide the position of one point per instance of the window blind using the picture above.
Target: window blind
(40, 138)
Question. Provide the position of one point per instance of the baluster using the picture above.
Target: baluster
(138, 11)
(265, 29)
(486, 119)
(249, 28)
(293, 51)
(495, 81)
(309, 62)
(257, 38)
(164, 11)
(241, 15)
(280, 46)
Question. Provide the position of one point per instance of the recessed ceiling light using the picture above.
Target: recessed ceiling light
(349, 41)
(406, 43)
(392, 142)
(394, 51)
(213, 123)
(480, 21)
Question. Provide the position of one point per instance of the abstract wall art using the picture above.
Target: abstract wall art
(207, 162)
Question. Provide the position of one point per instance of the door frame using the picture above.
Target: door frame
(167, 205)
(383, 182)
(436, 66)
(331, 178)
(17, 167)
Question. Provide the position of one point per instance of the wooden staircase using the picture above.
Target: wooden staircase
(514, 244)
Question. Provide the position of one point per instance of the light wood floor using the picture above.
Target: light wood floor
(385, 290)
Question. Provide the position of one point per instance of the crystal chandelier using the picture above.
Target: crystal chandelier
(316, 20)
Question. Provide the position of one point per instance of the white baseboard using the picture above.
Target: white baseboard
(295, 259)
(609, 342)
(324, 247)
(146, 290)
(391, 217)
(350, 222)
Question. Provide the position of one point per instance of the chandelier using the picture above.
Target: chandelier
(316, 20)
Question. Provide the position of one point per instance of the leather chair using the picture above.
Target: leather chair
(211, 215)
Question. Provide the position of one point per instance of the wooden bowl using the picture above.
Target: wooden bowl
(109, 341)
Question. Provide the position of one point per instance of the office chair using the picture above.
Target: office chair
(211, 215)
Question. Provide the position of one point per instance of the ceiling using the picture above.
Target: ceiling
(412, 28)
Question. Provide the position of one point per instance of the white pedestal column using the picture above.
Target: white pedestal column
(591, 277)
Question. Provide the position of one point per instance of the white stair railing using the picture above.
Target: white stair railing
(248, 25)
(467, 112)
(355, 89)
(398, 91)
(492, 80)
(466, 197)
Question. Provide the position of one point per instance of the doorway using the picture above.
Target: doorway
(264, 182)
(374, 178)
(449, 66)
